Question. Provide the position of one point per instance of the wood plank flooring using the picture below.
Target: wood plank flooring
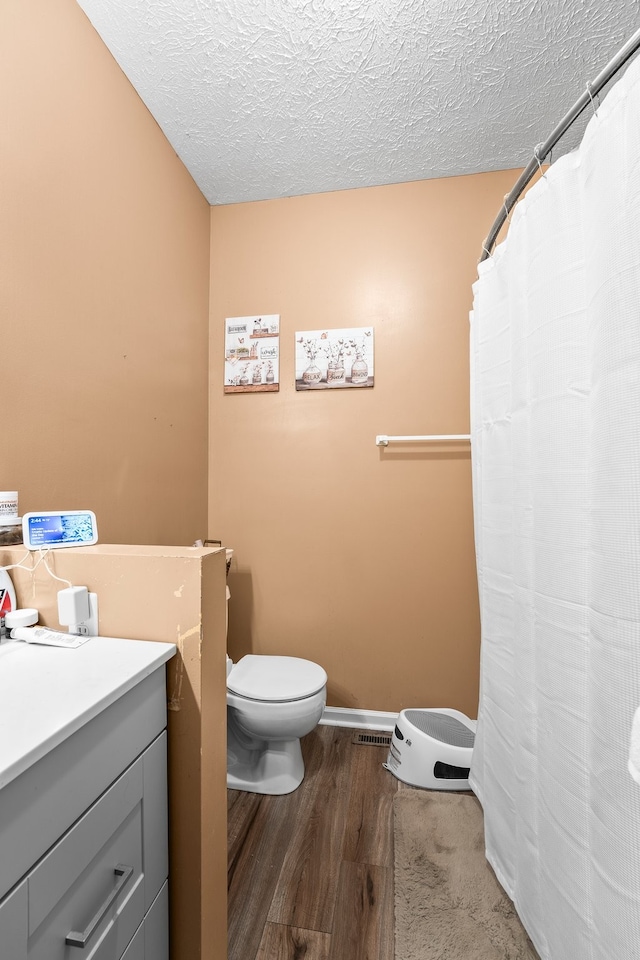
(311, 873)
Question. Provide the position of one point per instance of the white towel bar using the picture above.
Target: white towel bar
(383, 440)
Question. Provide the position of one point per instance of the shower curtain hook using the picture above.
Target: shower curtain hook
(536, 154)
(507, 212)
(595, 109)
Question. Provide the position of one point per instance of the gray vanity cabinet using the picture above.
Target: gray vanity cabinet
(90, 818)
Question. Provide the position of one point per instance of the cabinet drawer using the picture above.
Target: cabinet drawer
(90, 886)
(101, 877)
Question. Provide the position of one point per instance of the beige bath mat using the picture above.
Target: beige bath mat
(448, 903)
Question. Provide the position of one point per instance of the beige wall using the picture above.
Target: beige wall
(104, 265)
(358, 558)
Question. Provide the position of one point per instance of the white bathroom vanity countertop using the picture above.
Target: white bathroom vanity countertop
(47, 693)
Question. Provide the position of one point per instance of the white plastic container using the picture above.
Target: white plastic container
(26, 617)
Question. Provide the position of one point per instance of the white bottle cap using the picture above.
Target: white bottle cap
(21, 618)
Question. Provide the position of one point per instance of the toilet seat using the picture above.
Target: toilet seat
(275, 679)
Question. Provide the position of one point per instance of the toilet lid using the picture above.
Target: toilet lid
(275, 678)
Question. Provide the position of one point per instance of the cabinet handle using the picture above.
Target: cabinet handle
(77, 939)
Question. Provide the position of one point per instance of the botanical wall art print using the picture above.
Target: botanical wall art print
(252, 354)
(334, 359)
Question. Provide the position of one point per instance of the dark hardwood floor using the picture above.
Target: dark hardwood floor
(311, 873)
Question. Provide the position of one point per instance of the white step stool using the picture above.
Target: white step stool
(432, 748)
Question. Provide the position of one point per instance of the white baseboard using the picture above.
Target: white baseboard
(358, 719)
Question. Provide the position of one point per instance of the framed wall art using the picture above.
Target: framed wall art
(334, 359)
(252, 354)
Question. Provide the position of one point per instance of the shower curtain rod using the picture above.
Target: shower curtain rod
(544, 149)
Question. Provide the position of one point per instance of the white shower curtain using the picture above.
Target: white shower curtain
(555, 361)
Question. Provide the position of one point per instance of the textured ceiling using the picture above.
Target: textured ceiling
(273, 98)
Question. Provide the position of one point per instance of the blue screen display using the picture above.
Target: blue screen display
(61, 530)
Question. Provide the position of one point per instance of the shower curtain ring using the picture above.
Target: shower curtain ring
(507, 211)
(536, 154)
(595, 109)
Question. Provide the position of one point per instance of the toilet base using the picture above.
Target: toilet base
(273, 767)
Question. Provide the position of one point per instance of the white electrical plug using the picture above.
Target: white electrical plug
(73, 606)
(78, 610)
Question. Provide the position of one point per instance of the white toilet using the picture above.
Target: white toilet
(271, 703)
